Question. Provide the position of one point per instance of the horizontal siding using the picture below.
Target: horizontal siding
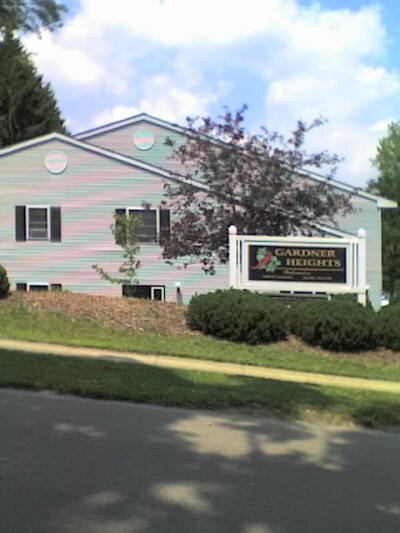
(368, 217)
(88, 191)
(121, 140)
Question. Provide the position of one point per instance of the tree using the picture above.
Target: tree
(125, 231)
(28, 107)
(258, 182)
(30, 15)
(387, 184)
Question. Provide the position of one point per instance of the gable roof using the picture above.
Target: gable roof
(78, 141)
(381, 202)
(131, 121)
(115, 156)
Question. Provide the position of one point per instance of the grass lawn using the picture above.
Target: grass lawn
(159, 328)
(142, 383)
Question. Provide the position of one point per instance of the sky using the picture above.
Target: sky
(287, 60)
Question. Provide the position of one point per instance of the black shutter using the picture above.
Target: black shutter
(119, 238)
(20, 223)
(165, 222)
(55, 224)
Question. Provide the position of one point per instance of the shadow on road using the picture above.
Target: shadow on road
(70, 465)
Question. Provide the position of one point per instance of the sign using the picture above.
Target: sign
(299, 265)
(309, 264)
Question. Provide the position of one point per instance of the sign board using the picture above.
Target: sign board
(312, 265)
(298, 263)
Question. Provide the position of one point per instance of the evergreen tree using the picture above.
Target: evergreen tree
(28, 107)
(30, 15)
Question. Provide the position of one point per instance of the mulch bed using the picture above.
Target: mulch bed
(113, 312)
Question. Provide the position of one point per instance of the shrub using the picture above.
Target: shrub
(4, 283)
(238, 316)
(339, 324)
(388, 324)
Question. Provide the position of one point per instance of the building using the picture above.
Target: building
(59, 193)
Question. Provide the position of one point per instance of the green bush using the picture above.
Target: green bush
(339, 324)
(388, 323)
(4, 283)
(238, 316)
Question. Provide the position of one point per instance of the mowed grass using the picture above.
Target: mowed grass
(160, 328)
(142, 383)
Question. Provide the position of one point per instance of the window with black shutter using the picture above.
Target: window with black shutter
(37, 223)
(154, 228)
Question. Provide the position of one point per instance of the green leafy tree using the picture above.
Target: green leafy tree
(387, 184)
(30, 15)
(28, 107)
(258, 182)
(125, 230)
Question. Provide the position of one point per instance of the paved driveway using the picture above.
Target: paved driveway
(69, 465)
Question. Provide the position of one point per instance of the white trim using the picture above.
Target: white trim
(356, 191)
(355, 280)
(350, 189)
(336, 232)
(380, 201)
(130, 121)
(171, 176)
(37, 284)
(157, 287)
(27, 224)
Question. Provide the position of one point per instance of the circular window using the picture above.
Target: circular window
(56, 162)
(143, 139)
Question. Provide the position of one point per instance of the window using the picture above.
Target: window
(155, 223)
(148, 292)
(37, 223)
(38, 287)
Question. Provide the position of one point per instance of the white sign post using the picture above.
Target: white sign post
(298, 265)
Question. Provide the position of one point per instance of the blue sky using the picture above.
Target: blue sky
(285, 59)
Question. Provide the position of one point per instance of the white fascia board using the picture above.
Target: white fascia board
(381, 202)
(129, 122)
(104, 152)
(336, 232)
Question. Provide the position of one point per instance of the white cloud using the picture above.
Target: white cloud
(66, 63)
(181, 21)
(178, 58)
(161, 99)
(118, 112)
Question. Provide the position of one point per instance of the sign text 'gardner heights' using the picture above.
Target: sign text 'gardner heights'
(297, 263)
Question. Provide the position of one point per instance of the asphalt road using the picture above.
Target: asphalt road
(70, 465)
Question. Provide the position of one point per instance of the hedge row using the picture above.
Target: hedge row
(339, 324)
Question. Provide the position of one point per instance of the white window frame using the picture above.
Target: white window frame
(27, 211)
(37, 284)
(158, 228)
(154, 288)
(31, 284)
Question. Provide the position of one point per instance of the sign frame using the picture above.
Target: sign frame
(355, 268)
